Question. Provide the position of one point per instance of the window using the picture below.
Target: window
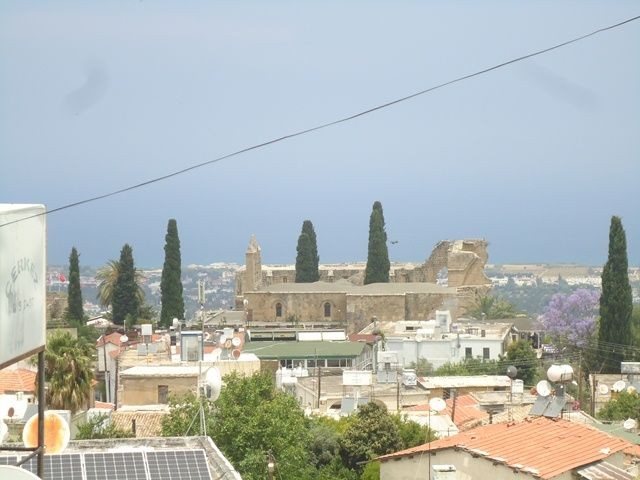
(486, 353)
(327, 309)
(163, 393)
(468, 353)
(278, 310)
(285, 279)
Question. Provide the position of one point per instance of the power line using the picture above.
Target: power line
(331, 123)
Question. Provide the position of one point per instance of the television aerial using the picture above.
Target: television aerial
(629, 424)
(603, 389)
(619, 386)
(212, 384)
(543, 388)
(437, 404)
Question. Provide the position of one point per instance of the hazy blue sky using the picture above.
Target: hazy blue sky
(535, 157)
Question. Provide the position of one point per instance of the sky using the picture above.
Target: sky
(535, 157)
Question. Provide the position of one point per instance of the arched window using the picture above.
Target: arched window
(278, 310)
(327, 309)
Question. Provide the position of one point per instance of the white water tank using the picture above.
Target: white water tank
(443, 319)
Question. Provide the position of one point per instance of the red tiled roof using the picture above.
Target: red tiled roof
(148, 424)
(362, 337)
(546, 447)
(113, 337)
(468, 412)
(18, 380)
(99, 404)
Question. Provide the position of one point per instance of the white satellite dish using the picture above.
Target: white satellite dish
(213, 383)
(222, 339)
(437, 404)
(16, 473)
(619, 386)
(603, 389)
(235, 341)
(629, 424)
(124, 339)
(57, 432)
(543, 388)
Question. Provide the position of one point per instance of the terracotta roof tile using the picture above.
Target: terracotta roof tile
(148, 423)
(106, 405)
(113, 337)
(17, 380)
(468, 412)
(548, 446)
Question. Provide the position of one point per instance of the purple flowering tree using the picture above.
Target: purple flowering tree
(570, 319)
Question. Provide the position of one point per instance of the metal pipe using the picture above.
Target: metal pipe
(41, 405)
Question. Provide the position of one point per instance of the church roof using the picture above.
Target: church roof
(344, 286)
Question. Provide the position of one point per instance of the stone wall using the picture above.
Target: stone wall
(144, 391)
(297, 307)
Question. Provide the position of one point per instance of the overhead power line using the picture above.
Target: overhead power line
(331, 123)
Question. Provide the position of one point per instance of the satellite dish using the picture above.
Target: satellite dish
(236, 353)
(619, 386)
(235, 341)
(227, 343)
(512, 372)
(543, 388)
(629, 424)
(56, 432)
(437, 404)
(124, 339)
(213, 383)
(603, 389)
(222, 339)
(4, 430)
(11, 412)
(16, 473)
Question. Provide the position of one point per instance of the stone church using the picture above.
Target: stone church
(449, 279)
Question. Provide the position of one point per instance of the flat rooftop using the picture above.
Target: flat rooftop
(304, 350)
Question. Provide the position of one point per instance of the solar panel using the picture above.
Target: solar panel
(58, 467)
(540, 406)
(115, 465)
(178, 465)
(555, 407)
(8, 459)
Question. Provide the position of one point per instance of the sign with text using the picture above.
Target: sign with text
(22, 281)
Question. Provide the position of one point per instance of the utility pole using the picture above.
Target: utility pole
(319, 383)
(453, 409)
(398, 393)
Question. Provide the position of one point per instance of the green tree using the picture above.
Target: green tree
(521, 355)
(423, 368)
(171, 282)
(490, 308)
(125, 300)
(75, 312)
(68, 372)
(101, 426)
(627, 405)
(307, 259)
(184, 412)
(412, 433)
(377, 269)
(107, 277)
(373, 432)
(616, 302)
(371, 471)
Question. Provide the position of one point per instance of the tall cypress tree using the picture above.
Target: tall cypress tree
(75, 312)
(125, 299)
(616, 302)
(378, 256)
(171, 283)
(307, 259)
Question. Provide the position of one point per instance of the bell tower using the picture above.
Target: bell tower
(253, 266)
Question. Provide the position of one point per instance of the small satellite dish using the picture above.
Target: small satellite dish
(619, 386)
(235, 341)
(56, 432)
(603, 389)
(124, 339)
(236, 353)
(222, 339)
(437, 404)
(227, 344)
(512, 372)
(629, 424)
(11, 412)
(543, 388)
(213, 383)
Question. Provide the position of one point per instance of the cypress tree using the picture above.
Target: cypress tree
(307, 259)
(616, 302)
(125, 298)
(171, 283)
(378, 264)
(75, 312)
